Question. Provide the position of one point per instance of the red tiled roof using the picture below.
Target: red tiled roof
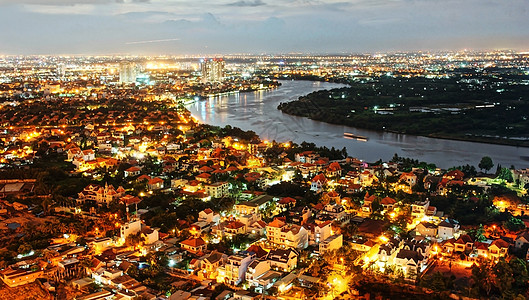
(235, 225)
(193, 242)
(155, 180)
(276, 223)
(500, 243)
(334, 166)
(287, 200)
(388, 201)
(320, 177)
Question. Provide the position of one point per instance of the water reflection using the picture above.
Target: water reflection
(257, 111)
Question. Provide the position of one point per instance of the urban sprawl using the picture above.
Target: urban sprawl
(111, 189)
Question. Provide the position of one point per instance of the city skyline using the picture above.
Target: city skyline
(143, 27)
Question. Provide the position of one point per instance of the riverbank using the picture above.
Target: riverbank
(258, 112)
(419, 107)
(473, 139)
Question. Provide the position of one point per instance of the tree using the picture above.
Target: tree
(24, 248)
(486, 163)
(477, 233)
(134, 240)
(514, 224)
(506, 175)
(503, 278)
(483, 278)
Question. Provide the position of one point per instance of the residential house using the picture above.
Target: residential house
(448, 246)
(257, 228)
(331, 212)
(285, 203)
(419, 208)
(408, 177)
(447, 229)
(521, 240)
(367, 178)
(247, 208)
(100, 195)
(255, 270)
(234, 271)
(498, 248)
(207, 215)
(388, 203)
(481, 249)
(386, 252)
(211, 264)
(426, 229)
(318, 183)
(132, 171)
(333, 170)
(155, 183)
(150, 235)
(217, 189)
(288, 235)
(194, 245)
(410, 261)
(234, 228)
(284, 260)
(368, 201)
(331, 197)
(131, 227)
(333, 242)
(463, 244)
(322, 231)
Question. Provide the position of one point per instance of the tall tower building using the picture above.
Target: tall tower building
(61, 70)
(127, 72)
(212, 70)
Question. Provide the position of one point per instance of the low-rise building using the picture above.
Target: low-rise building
(15, 277)
(447, 229)
(288, 235)
(193, 245)
(234, 271)
(333, 242)
(217, 189)
(284, 260)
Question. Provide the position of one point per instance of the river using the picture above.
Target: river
(258, 111)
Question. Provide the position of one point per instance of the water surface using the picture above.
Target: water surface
(258, 111)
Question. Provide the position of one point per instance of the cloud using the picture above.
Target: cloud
(70, 2)
(247, 3)
(273, 26)
(152, 41)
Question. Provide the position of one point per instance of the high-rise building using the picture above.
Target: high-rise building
(61, 70)
(212, 70)
(127, 72)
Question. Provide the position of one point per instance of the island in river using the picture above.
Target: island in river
(481, 108)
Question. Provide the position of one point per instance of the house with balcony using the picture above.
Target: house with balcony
(318, 183)
(463, 244)
(193, 245)
(498, 248)
(217, 189)
(333, 242)
(280, 233)
(211, 263)
(419, 209)
(447, 229)
(234, 271)
(284, 260)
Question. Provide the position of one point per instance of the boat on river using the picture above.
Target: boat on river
(353, 136)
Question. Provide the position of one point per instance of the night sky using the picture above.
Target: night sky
(259, 26)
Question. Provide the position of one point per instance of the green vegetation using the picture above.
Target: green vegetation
(473, 107)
